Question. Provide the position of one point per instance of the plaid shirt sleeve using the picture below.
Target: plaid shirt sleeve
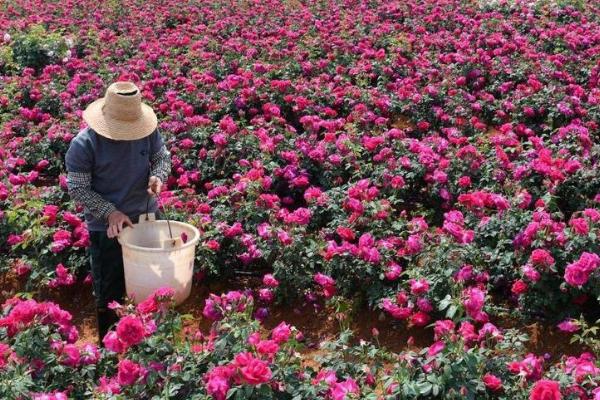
(161, 164)
(80, 189)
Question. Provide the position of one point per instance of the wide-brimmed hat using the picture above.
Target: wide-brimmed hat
(120, 114)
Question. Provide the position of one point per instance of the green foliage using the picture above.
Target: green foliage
(7, 64)
(37, 48)
(588, 335)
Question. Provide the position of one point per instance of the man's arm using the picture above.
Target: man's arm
(161, 164)
(80, 189)
(79, 186)
(79, 163)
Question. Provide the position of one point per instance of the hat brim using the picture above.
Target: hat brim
(117, 129)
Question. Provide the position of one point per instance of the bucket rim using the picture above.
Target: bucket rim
(190, 242)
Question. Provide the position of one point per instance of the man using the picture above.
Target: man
(115, 167)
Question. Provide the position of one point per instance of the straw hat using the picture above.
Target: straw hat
(120, 114)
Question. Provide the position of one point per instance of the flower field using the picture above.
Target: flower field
(433, 163)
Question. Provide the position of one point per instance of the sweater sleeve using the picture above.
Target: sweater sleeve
(160, 158)
(80, 190)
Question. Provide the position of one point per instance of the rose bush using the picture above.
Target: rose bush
(152, 353)
(50, 248)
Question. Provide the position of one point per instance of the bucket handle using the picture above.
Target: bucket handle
(174, 241)
(148, 217)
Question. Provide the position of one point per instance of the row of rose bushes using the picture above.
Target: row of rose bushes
(498, 248)
(152, 354)
(289, 156)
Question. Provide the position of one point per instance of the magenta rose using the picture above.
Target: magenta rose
(576, 274)
(252, 370)
(267, 347)
(112, 342)
(217, 386)
(340, 390)
(130, 330)
(580, 226)
(492, 382)
(568, 325)
(519, 287)
(281, 333)
(545, 390)
(129, 372)
(541, 257)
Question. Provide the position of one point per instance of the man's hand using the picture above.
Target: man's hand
(116, 221)
(154, 185)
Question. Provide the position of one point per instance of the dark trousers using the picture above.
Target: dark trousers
(106, 262)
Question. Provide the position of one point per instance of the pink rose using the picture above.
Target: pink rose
(217, 381)
(576, 274)
(49, 212)
(109, 386)
(467, 332)
(474, 301)
(270, 281)
(327, 283)
(252, 370)
(420, 319)
(284, 237)
(531, 273)
(519, 287)
(418, 287)
(112, 342)
(14, 239)
(568, 325)
(217, 386)
(545, 390)
(21, 268)
(580, 226)
(325, 375)
(592, 214)
(339, 390)
(395, 311)
(71, 219)
(130, 330)
(128, 372)
(267, 347)
(281, 333)
(393, 271)
(443, 328)
(266, 295)
(213, 245)
(542, 258)
(346, 233)
(530, 367)
(492, 382)
(436, 348)
(90, 354)
(70, 355)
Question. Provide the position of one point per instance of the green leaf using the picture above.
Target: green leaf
(424, 388)
(451, 311)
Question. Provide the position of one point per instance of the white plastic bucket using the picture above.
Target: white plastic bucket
(152, 259)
